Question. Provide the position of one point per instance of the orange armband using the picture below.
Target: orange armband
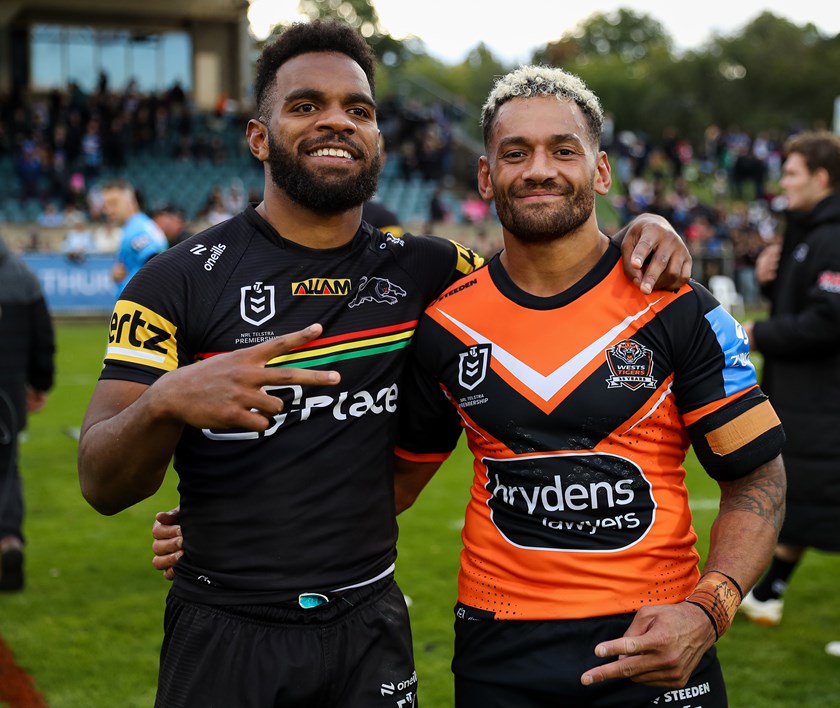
(718, 596)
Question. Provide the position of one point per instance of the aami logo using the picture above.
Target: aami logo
(570, 502)
(297, 408)
(139, 335)
(322, 286)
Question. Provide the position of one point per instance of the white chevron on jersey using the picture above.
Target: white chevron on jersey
(547, 386)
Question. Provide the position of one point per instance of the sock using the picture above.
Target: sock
(772, 585)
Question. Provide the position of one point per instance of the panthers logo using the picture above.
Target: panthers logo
(631, 365)
(377, 290)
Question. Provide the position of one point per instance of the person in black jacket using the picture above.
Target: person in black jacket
(800, 342)
(27, 347)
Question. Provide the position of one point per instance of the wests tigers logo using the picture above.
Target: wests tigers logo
(631, 364)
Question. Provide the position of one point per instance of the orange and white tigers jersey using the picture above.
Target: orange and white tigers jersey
(579, 410)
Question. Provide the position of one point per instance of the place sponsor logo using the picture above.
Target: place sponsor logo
(299, 408)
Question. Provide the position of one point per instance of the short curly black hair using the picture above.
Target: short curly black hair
(304, 37)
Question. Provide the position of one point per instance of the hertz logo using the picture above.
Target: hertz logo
(140, 336)
(322, 286)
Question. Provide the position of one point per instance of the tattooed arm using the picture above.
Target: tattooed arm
(664, 643)
(744, 533)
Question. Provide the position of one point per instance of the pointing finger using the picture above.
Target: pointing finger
(271, 348)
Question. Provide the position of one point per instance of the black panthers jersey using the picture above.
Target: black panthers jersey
(308, 504)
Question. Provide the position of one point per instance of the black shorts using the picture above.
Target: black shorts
(352, 652)
(538, 664)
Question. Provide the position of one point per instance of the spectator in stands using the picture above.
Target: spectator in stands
(78, 242)
(141, 237)
(172, 222)
(107, 237)
(51, 217)
(437, 211)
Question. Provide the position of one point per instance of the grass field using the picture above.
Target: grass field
(88, 626)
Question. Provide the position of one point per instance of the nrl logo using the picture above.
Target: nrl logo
(472, 366)
(631, 364)
(256, 304)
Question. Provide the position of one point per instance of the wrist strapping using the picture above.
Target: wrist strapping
(718, 596)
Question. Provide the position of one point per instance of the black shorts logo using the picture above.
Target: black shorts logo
(570, 502)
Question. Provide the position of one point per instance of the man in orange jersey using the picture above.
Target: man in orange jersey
(579, 582)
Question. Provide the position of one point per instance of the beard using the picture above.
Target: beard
(328, 194)
(543, 223)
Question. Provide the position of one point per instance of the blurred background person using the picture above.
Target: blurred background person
(173, 222)
(27, 369)
(801, 346)
(141, 237)
(78, 241)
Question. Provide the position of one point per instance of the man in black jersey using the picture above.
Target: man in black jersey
(283, 445)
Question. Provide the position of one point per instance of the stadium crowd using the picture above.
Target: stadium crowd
(720, 194)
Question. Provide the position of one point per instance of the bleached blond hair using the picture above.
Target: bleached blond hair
(533, 80)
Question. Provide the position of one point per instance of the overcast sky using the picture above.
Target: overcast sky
(511, 28)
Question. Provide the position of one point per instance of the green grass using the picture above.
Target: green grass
(88, 626)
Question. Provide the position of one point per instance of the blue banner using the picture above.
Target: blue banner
(75, 288)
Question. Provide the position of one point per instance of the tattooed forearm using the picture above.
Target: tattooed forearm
(761, 493)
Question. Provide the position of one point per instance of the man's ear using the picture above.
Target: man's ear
(485, 185)
(257, 135)
(603, 176)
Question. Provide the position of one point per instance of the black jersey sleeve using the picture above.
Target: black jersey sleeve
(158, 321)
(429, 424)
(730, 422)
(435, 263)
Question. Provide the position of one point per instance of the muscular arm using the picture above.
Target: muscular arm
(130, 430)
(125, 445)
(664, 643)
(744, 533)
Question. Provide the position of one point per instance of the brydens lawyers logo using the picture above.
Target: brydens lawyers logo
(256, 304)
(631, 364)
(472, 366)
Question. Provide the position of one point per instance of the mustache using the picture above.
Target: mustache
(325, 140)
(547, 187)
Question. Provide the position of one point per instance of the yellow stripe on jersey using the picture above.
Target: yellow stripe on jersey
(743, 430)
(140, 336)
(468, 260)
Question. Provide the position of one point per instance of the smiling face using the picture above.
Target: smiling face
(321, 141)
(542, 169)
